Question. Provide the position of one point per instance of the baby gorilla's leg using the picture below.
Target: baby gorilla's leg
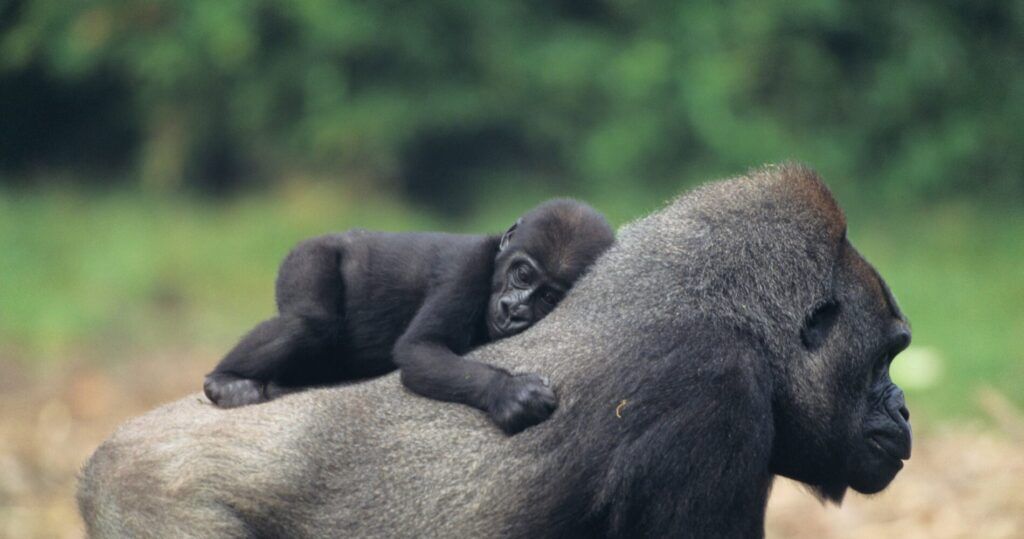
(300, 347)
(279, 353)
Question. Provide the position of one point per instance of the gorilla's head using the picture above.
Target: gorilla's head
(854, 431)
(539, 259)
(767, 256)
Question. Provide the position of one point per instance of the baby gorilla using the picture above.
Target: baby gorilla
(360, 304)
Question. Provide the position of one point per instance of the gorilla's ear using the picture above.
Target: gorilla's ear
(507, 236)
(818, 324)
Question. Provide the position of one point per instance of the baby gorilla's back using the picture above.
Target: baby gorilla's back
(343, 301)
(388, 276)
(360, 303)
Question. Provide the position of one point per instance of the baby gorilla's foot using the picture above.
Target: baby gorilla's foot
(520, 401)
(229, 391)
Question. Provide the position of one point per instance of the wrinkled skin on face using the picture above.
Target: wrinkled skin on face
(539, 258)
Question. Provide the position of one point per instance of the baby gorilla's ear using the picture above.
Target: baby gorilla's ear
(507, 236)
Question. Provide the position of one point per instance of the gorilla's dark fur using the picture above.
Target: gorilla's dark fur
(729, 337)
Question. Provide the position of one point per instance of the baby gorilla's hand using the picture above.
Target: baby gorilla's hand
(229, 391)
(520, 401)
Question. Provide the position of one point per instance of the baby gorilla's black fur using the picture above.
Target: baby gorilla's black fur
(360, 304)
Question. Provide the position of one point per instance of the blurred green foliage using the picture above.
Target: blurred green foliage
(105, 275)
(439, 99)
(320, 115)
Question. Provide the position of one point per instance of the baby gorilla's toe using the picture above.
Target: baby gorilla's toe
(229, 391)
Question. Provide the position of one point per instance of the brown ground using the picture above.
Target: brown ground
(962, 482)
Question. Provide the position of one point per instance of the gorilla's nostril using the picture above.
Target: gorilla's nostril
(520, 311)
(905, 412)
(503, 304)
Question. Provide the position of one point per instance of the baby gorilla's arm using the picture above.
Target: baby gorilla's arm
(430, 368)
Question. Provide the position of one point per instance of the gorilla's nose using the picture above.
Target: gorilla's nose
(900, 338)
(520, 312)
(506, 305)
(516, 314)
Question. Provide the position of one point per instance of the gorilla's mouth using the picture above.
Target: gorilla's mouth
(499, 329)
(888, 450)
(502, 324)
(495, 329)
(505, 328)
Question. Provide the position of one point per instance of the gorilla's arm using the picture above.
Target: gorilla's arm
(429, 367)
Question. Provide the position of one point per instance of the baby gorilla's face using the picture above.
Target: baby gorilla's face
(539, 258)
(523, 293)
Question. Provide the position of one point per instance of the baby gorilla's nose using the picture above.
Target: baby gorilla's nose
(505, 304)
(516, 315)
(513, 310)
(520, 312)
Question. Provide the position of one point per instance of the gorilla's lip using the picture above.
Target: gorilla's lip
(885, 448)
(509, 330)
(507, 327)
(503, 330)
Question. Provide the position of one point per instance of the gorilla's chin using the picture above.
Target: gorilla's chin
(833, 492)
(868, 471)
(874, 470)
(496, 331)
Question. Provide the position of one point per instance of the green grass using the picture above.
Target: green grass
(107, 276)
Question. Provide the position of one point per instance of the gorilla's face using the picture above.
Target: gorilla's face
(539, 259)
(523, 288)
(523, 293)
(846, 422)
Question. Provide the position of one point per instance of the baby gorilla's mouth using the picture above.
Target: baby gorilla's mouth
(506, 327)
(510, 329)
(503, 329)
(497, 328)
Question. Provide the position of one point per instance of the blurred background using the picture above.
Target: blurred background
(159, 158)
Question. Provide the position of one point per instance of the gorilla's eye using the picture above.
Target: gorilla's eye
(522, 274)
(819, 324)
(551, 297)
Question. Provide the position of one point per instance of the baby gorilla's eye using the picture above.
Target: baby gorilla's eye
(551, 297)
(523, 274)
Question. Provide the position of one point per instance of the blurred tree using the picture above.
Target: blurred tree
(922, 97)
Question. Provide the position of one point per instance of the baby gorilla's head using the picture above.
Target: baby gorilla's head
(539, 259)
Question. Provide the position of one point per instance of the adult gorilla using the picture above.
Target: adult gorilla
(734, 335)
